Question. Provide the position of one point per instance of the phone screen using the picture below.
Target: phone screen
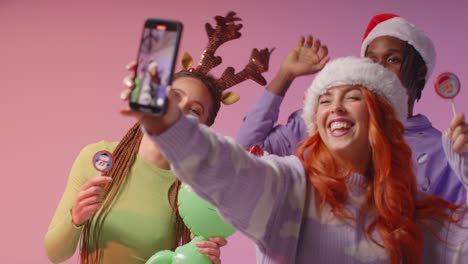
(156, 59)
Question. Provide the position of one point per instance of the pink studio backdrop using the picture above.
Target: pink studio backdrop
(62, 65)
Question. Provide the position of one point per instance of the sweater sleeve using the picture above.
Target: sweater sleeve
(62, 236)
(258, 127)
(253, 194)
(458, 162)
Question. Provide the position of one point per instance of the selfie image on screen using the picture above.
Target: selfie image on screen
(154, 66)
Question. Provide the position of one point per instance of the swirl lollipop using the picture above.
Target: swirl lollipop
(447, 86)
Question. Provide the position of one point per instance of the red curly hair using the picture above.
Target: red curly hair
(391, 192)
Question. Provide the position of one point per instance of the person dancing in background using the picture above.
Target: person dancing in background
(441, 161)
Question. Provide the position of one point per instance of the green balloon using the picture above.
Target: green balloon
(162, 257)
(203, 221)
(201, 217)
(186, 254)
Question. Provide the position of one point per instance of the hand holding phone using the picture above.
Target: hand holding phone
(156, 59)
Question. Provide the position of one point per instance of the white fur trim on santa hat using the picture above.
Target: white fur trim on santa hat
(356, 71)
(400, 28)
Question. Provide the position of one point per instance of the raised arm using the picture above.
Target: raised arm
(308, 57)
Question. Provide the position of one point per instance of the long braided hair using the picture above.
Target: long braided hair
(124, 155)
(410, 70)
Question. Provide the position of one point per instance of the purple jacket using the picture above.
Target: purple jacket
(439, 170)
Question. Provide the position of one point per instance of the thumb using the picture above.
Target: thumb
(131, 113)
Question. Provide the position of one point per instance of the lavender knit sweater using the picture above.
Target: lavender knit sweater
(265, 198)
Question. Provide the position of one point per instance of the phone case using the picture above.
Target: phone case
(156, 59)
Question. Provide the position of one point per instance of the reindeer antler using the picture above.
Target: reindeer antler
(258, 63)
(226, 29)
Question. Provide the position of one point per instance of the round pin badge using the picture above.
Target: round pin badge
(103, 161)
(447, 85)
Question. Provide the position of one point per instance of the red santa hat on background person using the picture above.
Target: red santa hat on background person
(395, 26)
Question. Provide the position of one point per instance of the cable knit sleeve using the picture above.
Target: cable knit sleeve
(458, 162)
(253, 194)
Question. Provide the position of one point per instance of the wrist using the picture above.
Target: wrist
(73, 221)
(281, 83)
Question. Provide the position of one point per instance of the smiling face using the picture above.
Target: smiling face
(194, 97)
(342, 120)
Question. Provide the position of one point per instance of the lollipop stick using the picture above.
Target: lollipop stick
(453, 107)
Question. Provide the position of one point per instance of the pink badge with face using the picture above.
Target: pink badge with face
(447, 85)
(103, 161)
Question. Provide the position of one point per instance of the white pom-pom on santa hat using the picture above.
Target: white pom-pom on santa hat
(355, 71)
(395, 26)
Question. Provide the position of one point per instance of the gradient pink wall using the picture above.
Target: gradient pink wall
(62, 64)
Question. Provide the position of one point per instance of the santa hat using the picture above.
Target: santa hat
(356, 71)
(395, 26)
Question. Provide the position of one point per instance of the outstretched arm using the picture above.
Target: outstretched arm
(250, 192)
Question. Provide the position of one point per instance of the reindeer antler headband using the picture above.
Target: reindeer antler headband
(226, 29)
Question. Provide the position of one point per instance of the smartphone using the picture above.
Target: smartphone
(156, 59)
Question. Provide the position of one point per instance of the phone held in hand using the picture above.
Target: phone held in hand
(156, 59)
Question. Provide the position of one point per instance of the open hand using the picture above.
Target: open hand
(308, 57)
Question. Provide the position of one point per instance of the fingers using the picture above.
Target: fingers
(309, 41)
(129, 86)
(457, 120)
(128, 81)
(458, 133)
(214, 259)
(127, 112)
(210, 249)
(322, 52)
(316, 45)
(219, 240)
(301, 41)
(131, 66)
(96, 181)
(460, 138)
(92, 191)
(89, 199)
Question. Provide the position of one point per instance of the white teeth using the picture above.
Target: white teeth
(339, 125)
